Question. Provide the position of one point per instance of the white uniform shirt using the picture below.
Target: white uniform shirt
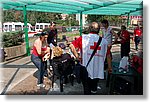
(107, 34)
(96, 66)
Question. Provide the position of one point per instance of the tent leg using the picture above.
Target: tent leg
(26, 31)
(128, 20)
(81, 23)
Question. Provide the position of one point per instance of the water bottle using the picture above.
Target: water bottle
(126, 69)
(101, 32)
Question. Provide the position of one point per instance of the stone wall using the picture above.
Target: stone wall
(15, 51)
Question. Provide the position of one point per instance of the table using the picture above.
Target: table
(113, 77)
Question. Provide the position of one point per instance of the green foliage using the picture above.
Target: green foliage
(86, 30)
(33, 16)
(39, 17)
(12, 38)
(69, 21)
(113, 20)
(72, 35)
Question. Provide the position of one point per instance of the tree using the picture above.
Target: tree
(94, 18)
(8, 16)
(113, 20)
(70, 21)
(32, 16)
(39, 17)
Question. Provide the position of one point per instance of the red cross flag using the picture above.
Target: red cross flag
(93, 47)
(96, 66)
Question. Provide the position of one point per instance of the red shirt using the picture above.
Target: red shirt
(36, 53)
(78, 43)
(137, 32)
(125, 34)
(137, 63)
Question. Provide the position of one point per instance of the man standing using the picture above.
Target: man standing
(52, 37)
(125, 42)
(87, 43)
(108, 34)
(137, 36)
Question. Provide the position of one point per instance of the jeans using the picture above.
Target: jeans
(83, 75)
(125, 49)
(41, 67)
(137, 40)
(93, 84)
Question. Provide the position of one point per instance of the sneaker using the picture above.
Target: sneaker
(51, 68)
(41, 85)
(94, 92)
(99, 88)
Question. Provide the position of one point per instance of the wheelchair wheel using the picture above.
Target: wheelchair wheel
(61, 84)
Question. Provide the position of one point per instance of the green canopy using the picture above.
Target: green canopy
(99, 7)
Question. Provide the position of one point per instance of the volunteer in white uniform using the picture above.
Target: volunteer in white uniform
(87, 43)
(108, 33)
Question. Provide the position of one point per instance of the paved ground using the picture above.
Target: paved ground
(18, 76)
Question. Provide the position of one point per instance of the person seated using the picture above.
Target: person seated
(137, 62)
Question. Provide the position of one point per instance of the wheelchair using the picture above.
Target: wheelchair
(62, 69)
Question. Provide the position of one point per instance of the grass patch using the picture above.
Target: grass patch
(72, 35)
(68, 35)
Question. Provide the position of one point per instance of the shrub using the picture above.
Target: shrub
(12, 38)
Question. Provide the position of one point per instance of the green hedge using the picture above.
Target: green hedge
(12, 38)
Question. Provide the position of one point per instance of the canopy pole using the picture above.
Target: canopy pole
(81, 24)
(128, 20)
(26, 30)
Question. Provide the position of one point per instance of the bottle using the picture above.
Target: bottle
(126, 69)
(101, 32)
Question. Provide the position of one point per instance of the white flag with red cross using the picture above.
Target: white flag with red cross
(96, 66)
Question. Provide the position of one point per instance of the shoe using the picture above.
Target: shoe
(51, 68)
(99, 88)
(94, 92)
(41, 85)
(46, 75)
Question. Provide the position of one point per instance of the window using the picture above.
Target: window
(10, 27)
(41, 26)
(5, 27)
(18, 27)
(37, 26)
(46, 26)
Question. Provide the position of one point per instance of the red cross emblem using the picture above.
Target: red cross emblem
(93, 47)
